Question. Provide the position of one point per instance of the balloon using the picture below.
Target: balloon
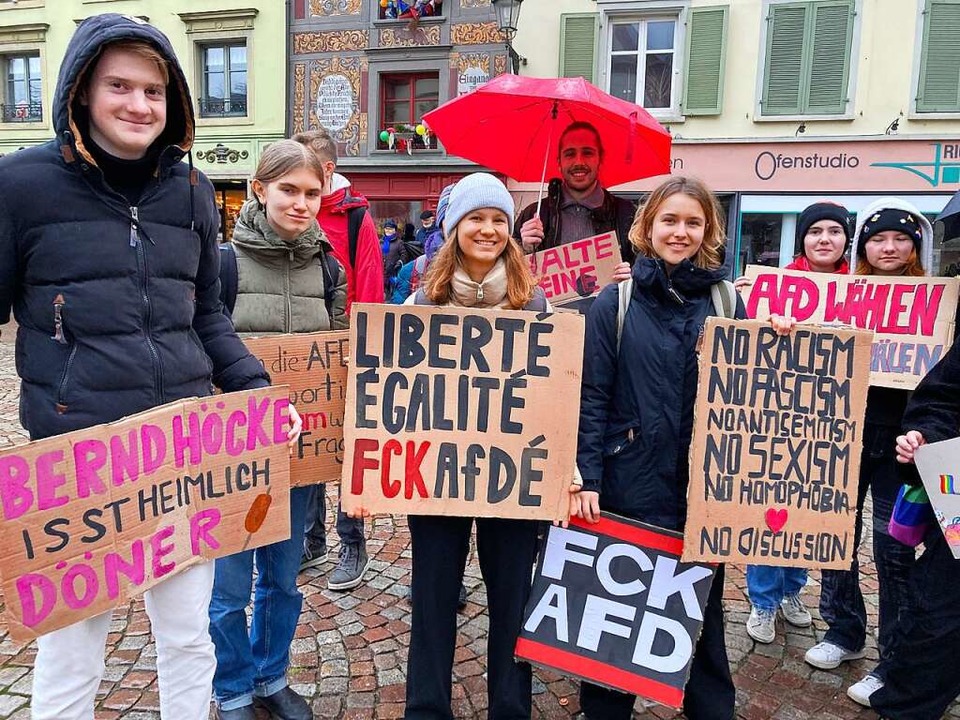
(391, 130)
(384, 3)
(384, 136)
(421, 130)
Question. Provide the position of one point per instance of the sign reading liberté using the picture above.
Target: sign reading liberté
(453, 411)
(97, 516)
(912, 318)
(775, 459)
(314, 367)
(611, 603)
(577, 269)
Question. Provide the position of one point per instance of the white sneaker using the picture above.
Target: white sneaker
(795, 612)
(762, 625)
(827, 656)
(860, 692)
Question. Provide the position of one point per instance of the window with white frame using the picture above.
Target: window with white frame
(224, 80)
(643, 61)
(20, 99)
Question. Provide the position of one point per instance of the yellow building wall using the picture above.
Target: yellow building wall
(266, 69)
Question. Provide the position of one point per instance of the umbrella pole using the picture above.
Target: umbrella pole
(543, 174)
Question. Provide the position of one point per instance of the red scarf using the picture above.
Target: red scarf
(801, 263)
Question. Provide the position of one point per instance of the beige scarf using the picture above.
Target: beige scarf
(490, 292)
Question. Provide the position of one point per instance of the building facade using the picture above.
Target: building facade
(776, 103)
(359, 71)
(232, 53)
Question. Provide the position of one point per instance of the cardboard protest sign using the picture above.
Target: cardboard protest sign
(939, 466)
(912, 318)
(314, 367)
(576, 270)
(454, 411)
(97, 516)
(775, 459)
(611, 603)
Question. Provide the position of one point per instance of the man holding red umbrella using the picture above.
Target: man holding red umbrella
(527, 123)
(577, 206)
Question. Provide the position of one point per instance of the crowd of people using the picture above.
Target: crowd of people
(305, 249)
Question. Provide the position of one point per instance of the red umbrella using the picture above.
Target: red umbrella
(513, 123)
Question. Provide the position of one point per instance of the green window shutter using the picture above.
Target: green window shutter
(783, 67)
(829, 64)
(939, 85)
(706, 50)
(578, 41)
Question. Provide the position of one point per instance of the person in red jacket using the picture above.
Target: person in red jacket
(363, 262)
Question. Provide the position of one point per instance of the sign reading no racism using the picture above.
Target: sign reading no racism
(576, 270)
(314, 367)
(611, 603)
(454, 411)
(95, 517)
(775, 459)
(912, 318)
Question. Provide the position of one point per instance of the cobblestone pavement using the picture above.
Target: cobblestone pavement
(349, 656)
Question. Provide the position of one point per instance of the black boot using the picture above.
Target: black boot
(285, 704)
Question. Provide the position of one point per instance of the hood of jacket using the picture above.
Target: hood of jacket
(258, 239)
(69, 117)
(340, 200)
(926, 229)
(686, 279)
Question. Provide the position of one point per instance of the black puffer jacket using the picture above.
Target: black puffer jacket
(116, 315)
(636, 410)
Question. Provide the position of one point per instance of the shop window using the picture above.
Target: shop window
(938, 89)
(21, 99)
(760, 236)
(404, 100)
(806, 69)
(223, 80)
(230, 197)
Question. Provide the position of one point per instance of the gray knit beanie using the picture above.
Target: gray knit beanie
(475, 191)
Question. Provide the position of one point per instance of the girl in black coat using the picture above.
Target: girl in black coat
(636, 413)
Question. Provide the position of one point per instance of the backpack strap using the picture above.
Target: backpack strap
(724, 296)
(229, 279)
(354, 221)
(330, 270)
(624, 292)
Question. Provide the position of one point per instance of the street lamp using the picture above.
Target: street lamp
(508, 13)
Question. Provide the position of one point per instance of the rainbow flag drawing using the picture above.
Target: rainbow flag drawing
(949, 485)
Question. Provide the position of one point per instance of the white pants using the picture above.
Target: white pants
(70, 663)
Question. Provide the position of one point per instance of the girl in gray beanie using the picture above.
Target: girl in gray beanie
(479, 266)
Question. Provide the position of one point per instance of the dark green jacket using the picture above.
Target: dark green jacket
(280, 285)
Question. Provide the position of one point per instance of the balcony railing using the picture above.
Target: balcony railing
(219, 107)
(21, 112)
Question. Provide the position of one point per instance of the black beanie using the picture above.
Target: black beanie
(821, 211)
(889, 219)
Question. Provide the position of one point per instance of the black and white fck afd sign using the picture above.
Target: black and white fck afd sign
(612, 604)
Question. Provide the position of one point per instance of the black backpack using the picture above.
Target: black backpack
(230, 280)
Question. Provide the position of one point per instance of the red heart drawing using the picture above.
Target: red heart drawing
(776, 519)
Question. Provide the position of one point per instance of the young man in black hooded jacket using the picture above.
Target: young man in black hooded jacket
(109, 261)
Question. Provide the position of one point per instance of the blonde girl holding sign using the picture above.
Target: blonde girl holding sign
(636, 412)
